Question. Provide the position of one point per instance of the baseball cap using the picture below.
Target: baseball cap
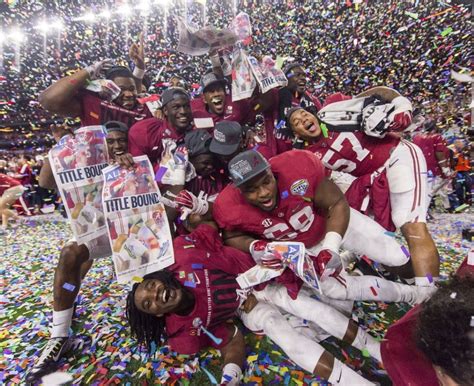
(116, 71)
(247, 165)
(227, 138)
(211, 78)
(290, 67)
(197, 142)
(173, 93)
(116, 126)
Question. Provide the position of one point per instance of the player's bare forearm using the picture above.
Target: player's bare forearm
(46, 177)
(60, 98)
(237, 240)
(331, 200)
(234, 351)
(386, 93)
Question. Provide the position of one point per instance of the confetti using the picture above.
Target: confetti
(69, 287)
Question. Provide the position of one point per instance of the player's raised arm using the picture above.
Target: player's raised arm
(61, 97)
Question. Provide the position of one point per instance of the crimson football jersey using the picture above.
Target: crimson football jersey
(96, 111)
(26, 173)
(209, 270)
(144, 138)
(233, 111)
(353, 152)
(429, 145)
(298, 174)
(7, 182)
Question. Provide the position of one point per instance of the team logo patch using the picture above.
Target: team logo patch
(299, 188)
(219, 137)
(267, 222)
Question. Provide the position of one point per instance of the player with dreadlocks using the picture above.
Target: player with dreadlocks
(190, 304)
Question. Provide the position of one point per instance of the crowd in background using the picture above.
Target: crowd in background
(346, 47)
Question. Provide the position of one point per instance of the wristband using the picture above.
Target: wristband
(138, 73)
(332, 241)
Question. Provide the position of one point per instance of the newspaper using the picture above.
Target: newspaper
(242, 28)
(266, 74)
(137, 225)
(293, 255)
(77, 162)
(256, 275)
(199, 42)
(243, 81)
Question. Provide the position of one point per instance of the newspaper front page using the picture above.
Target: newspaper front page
(137, 225)
(77, 163)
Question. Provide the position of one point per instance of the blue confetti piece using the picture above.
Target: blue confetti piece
(391, 234)
(280, 124)
(430, 278)
(228, 378)
(405, 251)
(197, 266)
(284, 194)
(210, 376)
(190, 284)
(152, 348)
(69, 287)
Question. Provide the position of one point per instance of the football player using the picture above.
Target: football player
(387, 158)
(290, 198)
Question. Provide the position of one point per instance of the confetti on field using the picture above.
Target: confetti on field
(105, 353)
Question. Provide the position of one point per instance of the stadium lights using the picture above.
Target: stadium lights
(106, 13)
(43, 26)
(58, 25)
(89, 17)
(144, 7)
(16, 36)
(124, 10)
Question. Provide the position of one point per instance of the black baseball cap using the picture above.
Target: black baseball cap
(290, 67)
(227, 138)
(197, 142)
(211, 78)
(247, 165)
(173, 93)
(116, 126)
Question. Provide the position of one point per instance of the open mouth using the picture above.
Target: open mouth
(302, 83)
(128, 103)
(183, 120)
(267, 203)
(311, 127)
(118, 152)
(166, 295)
(218, 102)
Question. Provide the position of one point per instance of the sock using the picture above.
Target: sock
(231, 374)
(344, 375)
(409, 281)
(61, 323)
(365, 341)
(426, 281)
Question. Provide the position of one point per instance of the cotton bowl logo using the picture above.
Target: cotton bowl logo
(299, 187)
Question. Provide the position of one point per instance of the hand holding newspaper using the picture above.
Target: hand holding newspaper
(136, 221)
(293, 255)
